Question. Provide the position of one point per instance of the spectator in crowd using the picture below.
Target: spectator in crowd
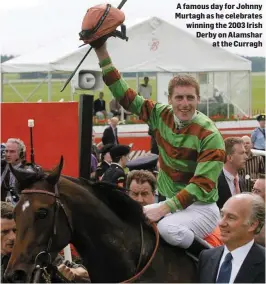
(110, 133)
(259, 189)
(147, 163)
(255, 165)
(229, 182)
(116, 173)
(106, 161)
(94, 164)
(99, 107)
(240, 260)
(141, 185)
(94, 148)
(15, 153)
(116, 109)
(71, 271)
(191, 154)
(145, 90)
(258, 134)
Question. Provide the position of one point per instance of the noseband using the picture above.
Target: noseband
(43, 259)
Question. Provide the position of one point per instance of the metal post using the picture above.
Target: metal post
(85, 135)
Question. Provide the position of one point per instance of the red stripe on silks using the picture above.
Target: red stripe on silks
(111, 77)
(196, 130)
(128, 98)
(146, 110)
(203, 182)
(176, 176)
(180, 153)
(185, 198)
(168, 118)
(212, 155)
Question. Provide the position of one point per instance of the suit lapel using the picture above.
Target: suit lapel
(215, 261)
(247, 271)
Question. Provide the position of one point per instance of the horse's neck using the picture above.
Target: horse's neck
(109, 248)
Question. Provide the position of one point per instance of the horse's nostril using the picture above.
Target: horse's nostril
(19, 276)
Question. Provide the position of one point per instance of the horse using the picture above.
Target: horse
(115, 240)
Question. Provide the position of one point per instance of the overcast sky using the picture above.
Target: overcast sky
(28, 24)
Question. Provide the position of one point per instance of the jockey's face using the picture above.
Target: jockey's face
(142, 193)
(12, 153)
(8, 235)
(184, 101)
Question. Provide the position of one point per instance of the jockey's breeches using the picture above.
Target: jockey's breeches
(179, 228)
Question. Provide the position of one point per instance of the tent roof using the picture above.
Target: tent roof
(154, 45)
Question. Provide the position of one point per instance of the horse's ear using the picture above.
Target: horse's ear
(22, 175)
(54, 176)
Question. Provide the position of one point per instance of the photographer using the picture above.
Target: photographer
(15, 152)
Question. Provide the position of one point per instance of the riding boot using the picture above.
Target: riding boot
(197, 246)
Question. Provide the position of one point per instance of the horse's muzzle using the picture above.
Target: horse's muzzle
(18, 276)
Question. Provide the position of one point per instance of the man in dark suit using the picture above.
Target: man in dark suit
(229, 182)
(110, 133)
(99, 106)
(240, 260)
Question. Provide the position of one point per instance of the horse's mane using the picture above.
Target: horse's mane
(115, 198)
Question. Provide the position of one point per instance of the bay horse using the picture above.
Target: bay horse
(109, 230)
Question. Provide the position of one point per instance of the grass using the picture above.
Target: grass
(9, 95)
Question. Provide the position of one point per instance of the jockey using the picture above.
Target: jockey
(191, 155)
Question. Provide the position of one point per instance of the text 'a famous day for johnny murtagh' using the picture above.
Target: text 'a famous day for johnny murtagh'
(227, 25)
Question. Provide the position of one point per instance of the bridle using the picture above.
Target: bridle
(43, 259)
(42, 265)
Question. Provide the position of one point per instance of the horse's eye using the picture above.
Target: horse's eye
(41, 213)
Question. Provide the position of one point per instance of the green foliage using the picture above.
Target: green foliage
(6, 57)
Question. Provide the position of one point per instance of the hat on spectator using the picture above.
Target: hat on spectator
(119, 150)
(106, 148)
(261, 117)
(148, 162)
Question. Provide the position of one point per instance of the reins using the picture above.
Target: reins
(157, 236)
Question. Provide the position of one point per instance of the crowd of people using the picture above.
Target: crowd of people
(207, 188)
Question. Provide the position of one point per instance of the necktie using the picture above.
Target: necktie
(236, 183)
(225, 270)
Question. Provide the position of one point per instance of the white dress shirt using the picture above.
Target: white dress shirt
(239, 256)
(230, 180)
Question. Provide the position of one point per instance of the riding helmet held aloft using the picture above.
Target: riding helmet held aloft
(100, 21)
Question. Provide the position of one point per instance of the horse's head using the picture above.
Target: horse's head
(42, 224)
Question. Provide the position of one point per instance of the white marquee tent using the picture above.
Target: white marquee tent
(154, 45)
